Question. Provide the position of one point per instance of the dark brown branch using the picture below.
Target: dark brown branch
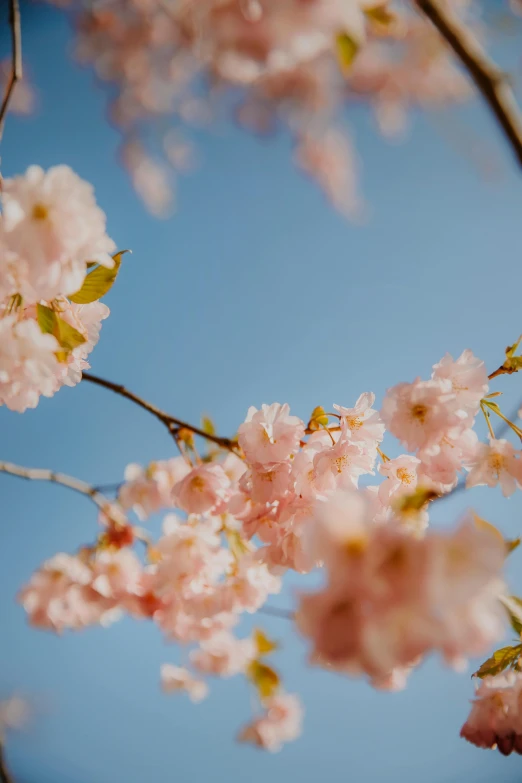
(492, 83)
(5, 775)
(173, 424)
(16, 59)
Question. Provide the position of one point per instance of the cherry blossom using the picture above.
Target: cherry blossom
(60, 595)
(270, 435)
(392, 598)
(495, 720)
(363, 422)
(202, 489)
(177, 678)
(468, 377)
(280, 723)
(496, 462)
(421, 413)
(148, 490)
(53, 226)
(223, 655)
(28, 363)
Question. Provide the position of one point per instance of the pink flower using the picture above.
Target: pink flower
(204, 488)
(440, 465)
(270, 435)
(468, 377)
(496, 463)
(401, 477)
(60, 595)
(177, 678)
(223, 655)
(342, 464)
(51, 221)
(116, 574)
(392, 598)
(280, 723)
(421, 413)
(363, 422)
(28, 363)
(495, 720)
(266, 485)
(250, 585)
(147, 490)
(190, 558)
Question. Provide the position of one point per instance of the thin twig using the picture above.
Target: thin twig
(16, 59)
(5, 775)
(173, 424)
(43, 474)
(492, 83)
(274, 611)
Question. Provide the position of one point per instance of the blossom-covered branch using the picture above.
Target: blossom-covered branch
(493, 84)
(173, 424)
(16, 59)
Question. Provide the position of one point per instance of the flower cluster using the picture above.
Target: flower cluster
(289, 495)
(392, 598)
(495, 719)
(51, 233)
(299, 62)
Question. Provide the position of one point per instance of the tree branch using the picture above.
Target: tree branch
(492, 83)
(16, 59)
(5, 775)
(173, 424)
(42, 474)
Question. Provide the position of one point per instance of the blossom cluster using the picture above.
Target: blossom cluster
(51, 233)
(293, 62)
(289, 495)
(496, 714)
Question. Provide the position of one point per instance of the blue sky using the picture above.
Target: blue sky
(255, 291)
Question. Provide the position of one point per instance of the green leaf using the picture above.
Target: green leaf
(500, 660)
(263, 643)
(207, 425)
(67, 336)
(264, 678)
(46, 319)
(510, 350)
(347, 49)
(318, 419)
(98, 282)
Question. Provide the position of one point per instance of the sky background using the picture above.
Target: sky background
(256, 291)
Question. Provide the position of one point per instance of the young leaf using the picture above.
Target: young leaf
(264, 678)
(500, 660)
(50, 323)
(318, 419)
(207, 425)
(347, 49)
(415, 500)
(98, 282)
(46, 319)
(263, 643)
